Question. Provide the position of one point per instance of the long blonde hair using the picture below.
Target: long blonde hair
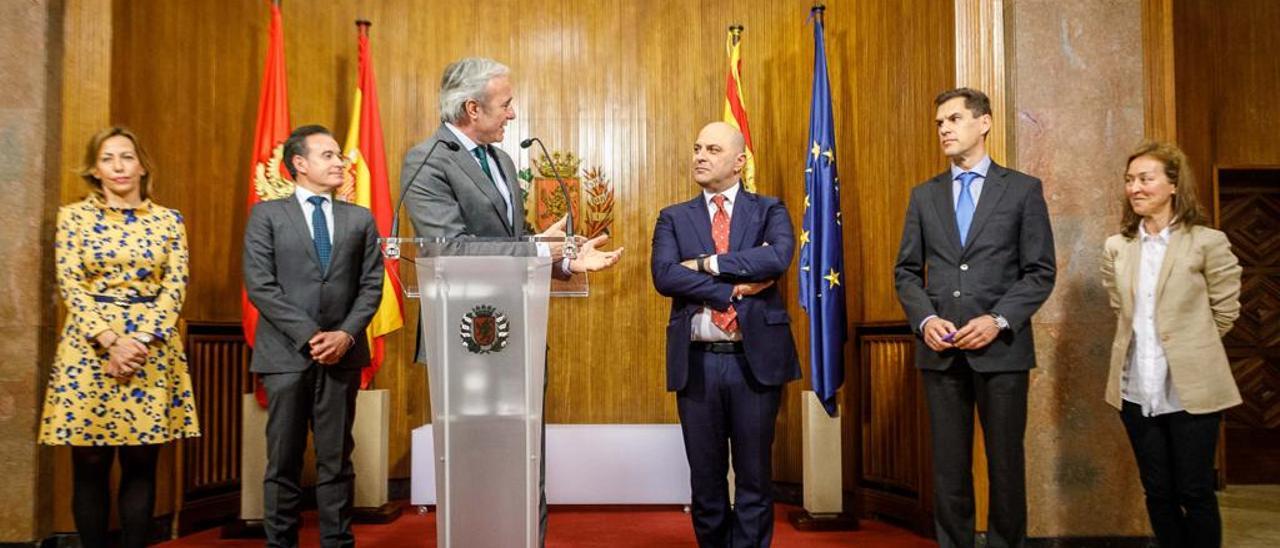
(1186, 207)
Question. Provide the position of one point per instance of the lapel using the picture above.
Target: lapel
(1179, 240)
(696, 210)
(1132, 257)
(508, 169)
(464, 160)
(471, 167)
(299, 221)
(992, 190)
(944, 207)
(341, 218)
(742, 214)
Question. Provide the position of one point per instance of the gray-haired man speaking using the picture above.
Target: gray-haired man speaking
(471, 190)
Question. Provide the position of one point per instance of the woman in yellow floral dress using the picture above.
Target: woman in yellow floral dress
(119, 381)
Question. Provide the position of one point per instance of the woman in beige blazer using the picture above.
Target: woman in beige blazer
(1174, 286)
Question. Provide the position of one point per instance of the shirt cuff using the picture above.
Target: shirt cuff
(925, 321)
(713, 266)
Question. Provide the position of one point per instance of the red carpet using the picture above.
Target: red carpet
(603, 527)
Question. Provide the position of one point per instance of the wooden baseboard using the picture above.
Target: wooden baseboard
(387, 513)
(240, 528)
(802, 520)
(1089, 542)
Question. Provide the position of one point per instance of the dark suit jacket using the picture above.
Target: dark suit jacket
(1007, 266)
(684, 232)
(452, 198)
(295, 298)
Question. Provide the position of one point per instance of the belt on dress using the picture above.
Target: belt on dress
(720, 347)
(124, 300)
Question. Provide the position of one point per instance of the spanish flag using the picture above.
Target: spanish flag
(735, 109)
(367, 160)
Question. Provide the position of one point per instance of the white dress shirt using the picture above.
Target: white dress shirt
(302, 195)
(1146, 380)
(703, 328)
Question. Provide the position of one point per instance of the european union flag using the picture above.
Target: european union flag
(822, 280)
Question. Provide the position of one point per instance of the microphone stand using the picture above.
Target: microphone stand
(392, 249)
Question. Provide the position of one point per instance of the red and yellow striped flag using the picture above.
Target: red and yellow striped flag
(368, 187)
(735, 109)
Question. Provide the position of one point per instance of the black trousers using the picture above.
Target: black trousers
(1175, 462)
(91, 493)
(723, 403)
(323, 398)
(1001, 400)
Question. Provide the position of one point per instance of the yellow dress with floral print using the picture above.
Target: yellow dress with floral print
(136, 260)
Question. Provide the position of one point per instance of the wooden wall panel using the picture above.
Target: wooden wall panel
(896, 474)
(1160, 117)
(1226, 79)
(626, 85)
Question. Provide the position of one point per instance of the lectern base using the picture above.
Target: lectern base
(802, 520)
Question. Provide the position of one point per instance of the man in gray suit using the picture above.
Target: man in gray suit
(472, 191)
(976, 252)
(313, 270)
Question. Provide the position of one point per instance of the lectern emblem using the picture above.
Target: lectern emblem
(484, 330)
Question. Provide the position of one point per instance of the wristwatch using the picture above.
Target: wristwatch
(144, 338)
(1002, 323)
(702, 263)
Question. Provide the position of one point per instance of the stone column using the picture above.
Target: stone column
(29, 194)
(1076, 80)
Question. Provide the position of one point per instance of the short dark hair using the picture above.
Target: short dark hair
(296, 145)
(974, 100)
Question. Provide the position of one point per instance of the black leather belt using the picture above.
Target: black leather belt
(725, 347)
(124, 300)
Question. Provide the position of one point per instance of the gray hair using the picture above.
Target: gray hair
(465, 80)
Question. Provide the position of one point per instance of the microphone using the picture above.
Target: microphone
(570, 246)
(395, 222)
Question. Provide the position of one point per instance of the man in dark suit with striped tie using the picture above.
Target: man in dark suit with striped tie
(729, 345)
(313, 270)
(976, 261)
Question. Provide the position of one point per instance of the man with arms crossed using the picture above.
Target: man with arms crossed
(976, 261)
(313, 270)
(729, 346)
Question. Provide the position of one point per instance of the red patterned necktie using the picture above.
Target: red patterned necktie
(727, 321)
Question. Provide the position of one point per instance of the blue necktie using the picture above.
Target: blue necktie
(320, 228)
(964, 206)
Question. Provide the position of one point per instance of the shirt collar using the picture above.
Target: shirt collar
(1163, 236)
(981, 168)
(304, 194)
(730, 194)
(465, 141)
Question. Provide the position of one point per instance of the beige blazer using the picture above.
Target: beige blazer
(1197, 301)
